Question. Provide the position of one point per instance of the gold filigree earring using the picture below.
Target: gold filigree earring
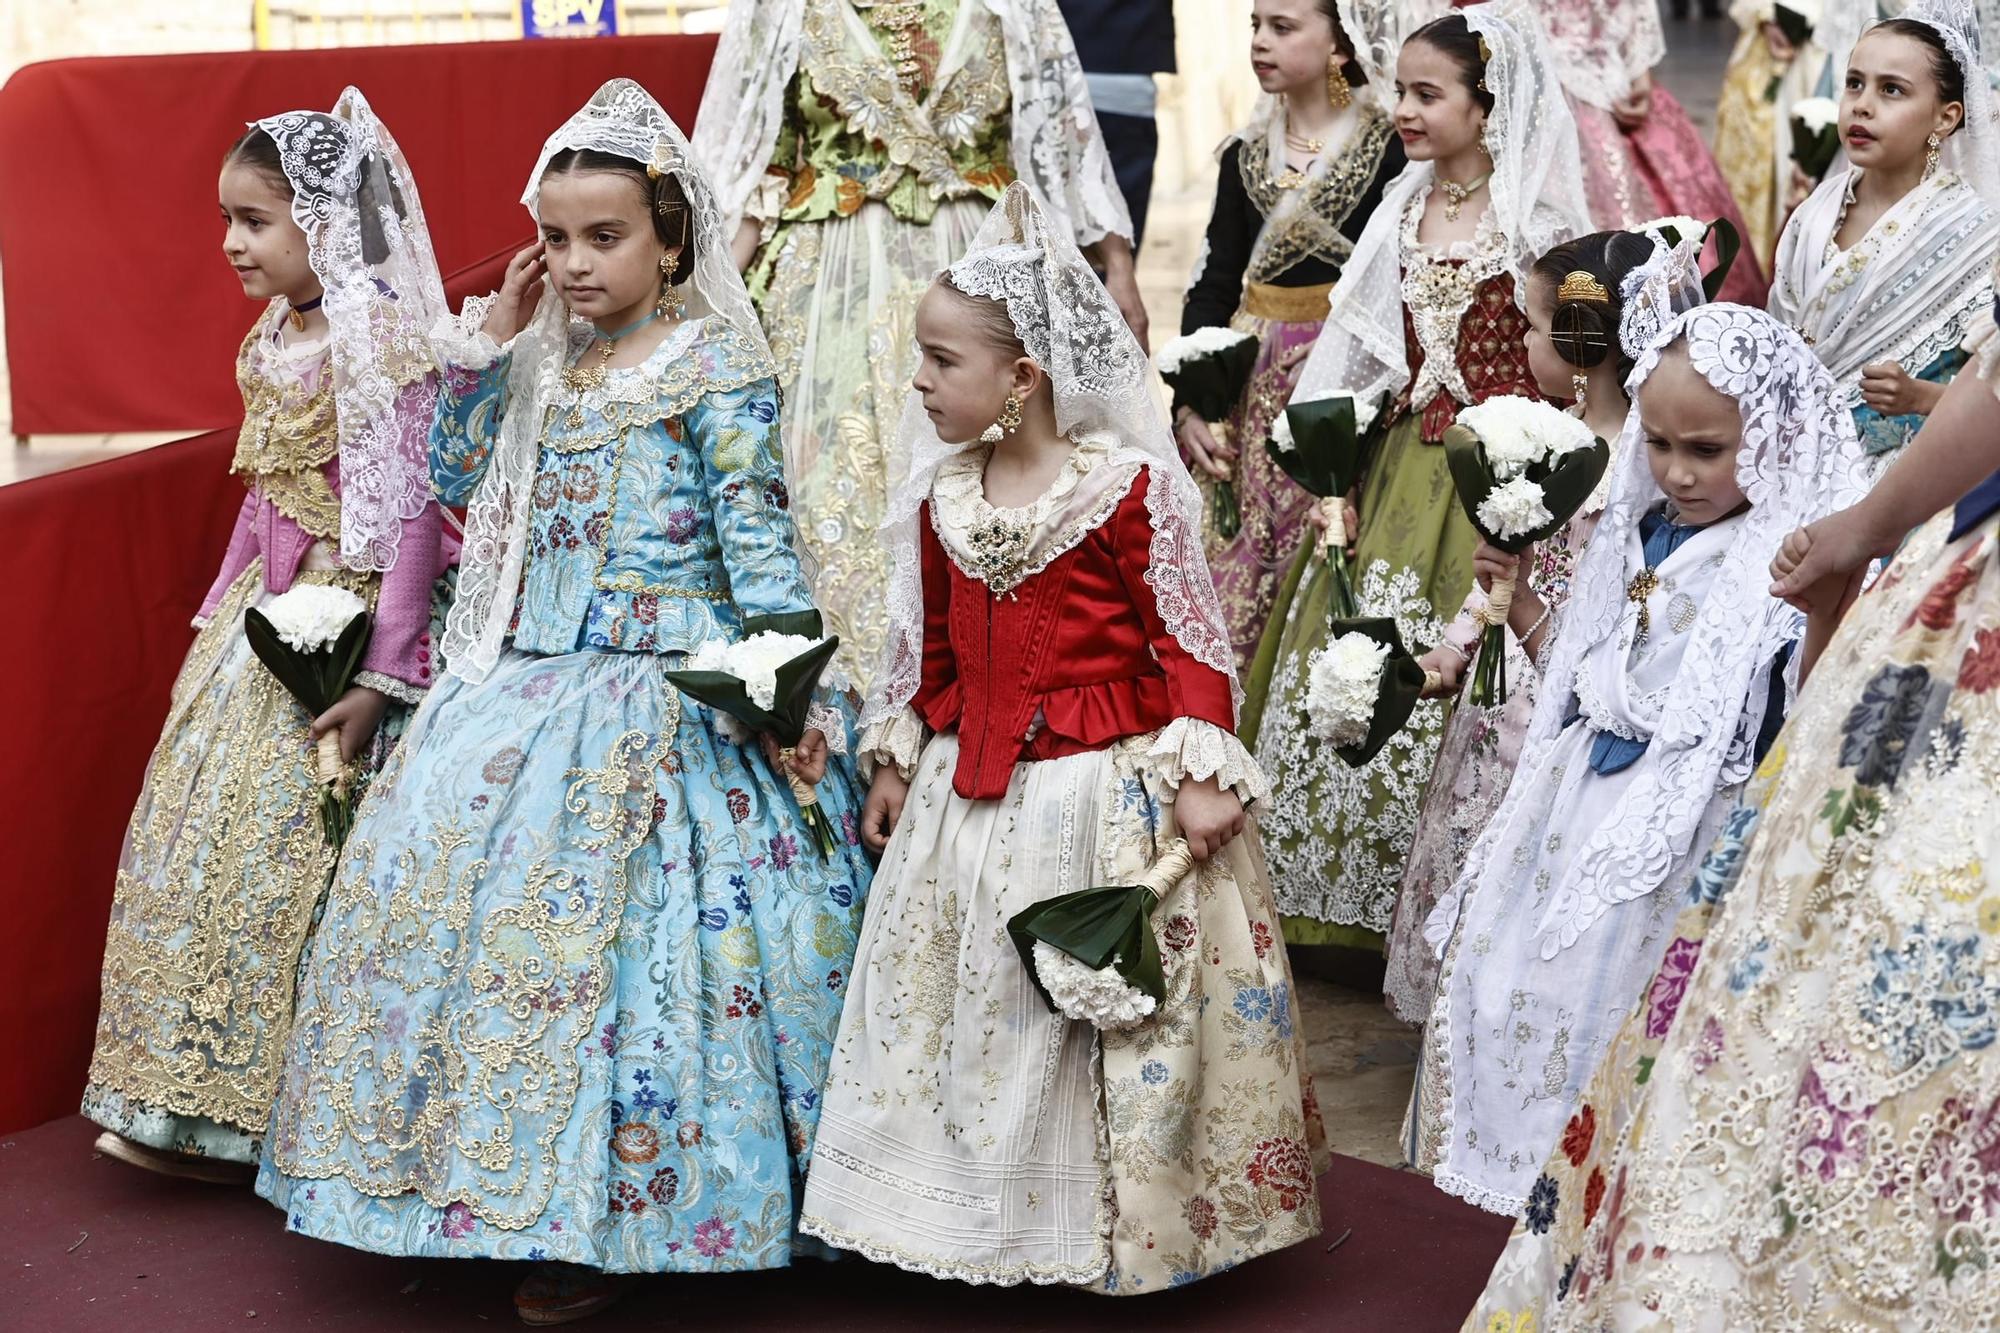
(1338, 90)
(672, 303)
(1008, 422)
(1581, 383)
(1934, 144)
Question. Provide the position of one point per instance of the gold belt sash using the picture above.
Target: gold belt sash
(1287, 305)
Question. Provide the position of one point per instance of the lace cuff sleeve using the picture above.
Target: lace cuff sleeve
(461, 342)
(1192, 748)
(826, 718)
(896, 740)
(401, 691)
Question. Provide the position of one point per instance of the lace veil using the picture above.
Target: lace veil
(1974, 151)
(1377, 29)
(1057, 147)
(1104, 385)
(354, 197)
(1799, 461)
(1537, 201)
(1657, 293)
(620, 118)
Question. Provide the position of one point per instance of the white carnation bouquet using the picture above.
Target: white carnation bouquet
(1093, 954)
(766, 682)
(311, 638)
(1815, 134)
(1522, 468)
(1362, 687)
(1208, 371)
(1342, 687)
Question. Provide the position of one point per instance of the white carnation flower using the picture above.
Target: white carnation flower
(1514, 508)
(1097, 996)
(1684, 228)
(1816, 113)
(1192, 346)
(1343, 685)
(310, 616)
(1518, 433)
(754, 661)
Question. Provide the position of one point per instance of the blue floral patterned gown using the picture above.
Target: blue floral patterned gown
(580, 971)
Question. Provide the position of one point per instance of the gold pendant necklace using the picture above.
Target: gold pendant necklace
(580, 380)
(1455, 194)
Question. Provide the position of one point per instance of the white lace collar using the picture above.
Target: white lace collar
(1005, 547)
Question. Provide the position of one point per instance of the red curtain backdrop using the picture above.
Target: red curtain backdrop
(103, 567)
(108, 215)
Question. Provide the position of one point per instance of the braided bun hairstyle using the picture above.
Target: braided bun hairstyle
(1586, 276)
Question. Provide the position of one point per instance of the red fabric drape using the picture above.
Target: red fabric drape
(103, 568)
(107, 197)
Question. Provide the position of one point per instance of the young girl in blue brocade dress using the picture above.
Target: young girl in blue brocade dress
(576, 984)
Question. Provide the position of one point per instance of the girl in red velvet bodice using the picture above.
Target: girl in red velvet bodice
(1073, 659)
(1057, 714)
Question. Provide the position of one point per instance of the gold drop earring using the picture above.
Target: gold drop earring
(1931, 158)
(1581, 383)
(1338, 90)
(671, 303)
(1009, 421)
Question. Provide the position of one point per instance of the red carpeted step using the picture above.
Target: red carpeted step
(166, 1256)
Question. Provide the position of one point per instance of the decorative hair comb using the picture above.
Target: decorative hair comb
(1581, 286)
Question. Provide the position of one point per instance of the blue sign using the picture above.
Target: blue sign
(569, 18)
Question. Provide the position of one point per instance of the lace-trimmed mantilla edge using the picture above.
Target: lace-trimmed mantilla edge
(1492, 1201)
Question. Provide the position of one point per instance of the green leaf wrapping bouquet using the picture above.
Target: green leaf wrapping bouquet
(1522, 469)
(1325, 445)
(1815, 134)
(1208, 371)
(766, 681)
(312, 638)
(1093, 954)
(1362, 687)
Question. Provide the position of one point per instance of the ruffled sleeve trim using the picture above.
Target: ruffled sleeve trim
(897, 739)
(462, 342)
(400, 690)
(1192, 748)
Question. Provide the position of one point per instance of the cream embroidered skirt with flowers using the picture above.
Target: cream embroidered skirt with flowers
(969, 1132)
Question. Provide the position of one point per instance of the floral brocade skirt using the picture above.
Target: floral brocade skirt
(1250, 566)
(972, 1133)
(1337, 837)
(222, 870)
(840, 310)
(575, 985)
(1796, 1127)
(1663, 169)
